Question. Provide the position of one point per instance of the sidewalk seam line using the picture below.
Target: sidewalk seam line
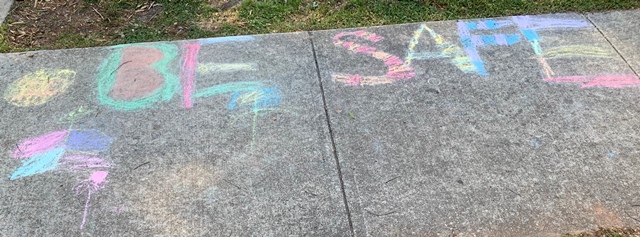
(333, 143)
(613, 46)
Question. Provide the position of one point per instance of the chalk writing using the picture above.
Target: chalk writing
(38, 87)
(612, 81)
(576, 51)
(445, 50)
(208, 68)
(396, 68)
(470, 42)
(189, 62)
(476, 34)
(135, 77)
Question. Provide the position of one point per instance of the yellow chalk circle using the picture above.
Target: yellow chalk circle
(37, 88)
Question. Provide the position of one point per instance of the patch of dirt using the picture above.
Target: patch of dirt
(39, 23)
(227, 14)
(223, 5)
(220, 18)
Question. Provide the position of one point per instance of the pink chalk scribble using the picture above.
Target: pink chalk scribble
(73, 151)
(609, 81)
(76, 162)
(396, 68)
(94, 183)
(33, 146)
(189, 63)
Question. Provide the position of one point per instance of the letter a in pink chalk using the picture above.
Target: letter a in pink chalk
(396, 68)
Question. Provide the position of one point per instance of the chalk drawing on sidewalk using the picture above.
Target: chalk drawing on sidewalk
(210, 68)
(189, 61)
(576, 51)
(396, 68)
(528, 27)
(611, 81)
(135, 77)
(444, 50)
(77, 114)
(477, 34)
(38, 87)
(74, 151)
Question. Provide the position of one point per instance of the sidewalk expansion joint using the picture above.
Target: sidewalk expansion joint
(333, 143)
(614, 47)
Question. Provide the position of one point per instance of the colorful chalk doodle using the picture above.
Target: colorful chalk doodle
(77, 152)
(38, 87)
(131, 78)
(467, 56)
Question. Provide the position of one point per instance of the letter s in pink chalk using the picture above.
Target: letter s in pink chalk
(396, 68)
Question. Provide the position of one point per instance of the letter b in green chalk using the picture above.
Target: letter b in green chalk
(136, 77)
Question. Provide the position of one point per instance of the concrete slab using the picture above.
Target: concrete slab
(5, 7)
(212, 137)
(516, 126)
(621, 28)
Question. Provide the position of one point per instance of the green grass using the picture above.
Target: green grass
(5, 46)
(184, 13)
(183, 19)
(282, 16)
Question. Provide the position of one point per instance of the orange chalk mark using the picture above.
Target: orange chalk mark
(546, 68)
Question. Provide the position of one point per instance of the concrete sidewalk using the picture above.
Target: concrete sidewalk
(514, 126)
(5, 7)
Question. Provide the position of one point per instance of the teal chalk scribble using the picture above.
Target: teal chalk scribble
(39, 163)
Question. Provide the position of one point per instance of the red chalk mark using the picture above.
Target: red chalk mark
(135, 77)
(189, 63)
(397, 69)
(40, 144)
(610, 81)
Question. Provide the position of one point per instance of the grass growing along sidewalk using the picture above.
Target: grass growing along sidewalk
(34, 25)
